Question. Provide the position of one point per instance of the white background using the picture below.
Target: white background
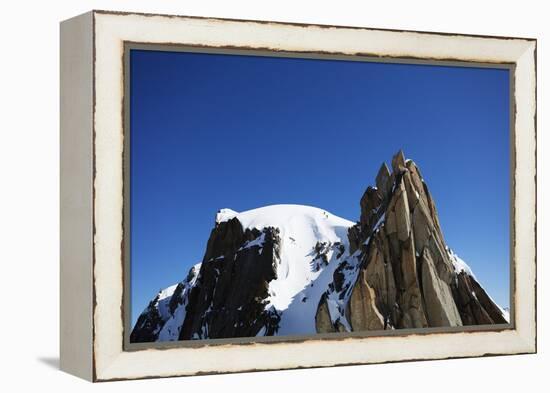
(29, 197)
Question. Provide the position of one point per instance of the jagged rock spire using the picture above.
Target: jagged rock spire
(406, 271)
(398, 162)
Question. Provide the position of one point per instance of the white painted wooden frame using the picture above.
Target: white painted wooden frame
(92, 141)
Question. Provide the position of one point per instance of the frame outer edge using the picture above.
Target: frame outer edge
(526, 198)
(115, 364)
(76, 196)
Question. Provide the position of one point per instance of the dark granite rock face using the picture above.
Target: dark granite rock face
(228, 299)
(166, 308)
(474, 305)
(323, 322)
(148, 325)
(228, 294)
(321, 252)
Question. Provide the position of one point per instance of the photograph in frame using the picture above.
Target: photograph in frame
(280, 136)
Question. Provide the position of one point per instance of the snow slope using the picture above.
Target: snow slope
(459, 264)
(300, 278)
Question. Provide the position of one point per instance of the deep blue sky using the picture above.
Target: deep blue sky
(213, 131)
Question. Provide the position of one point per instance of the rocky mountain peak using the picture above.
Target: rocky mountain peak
(405, 276)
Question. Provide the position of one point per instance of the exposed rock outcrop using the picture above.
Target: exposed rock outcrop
(438, 298)
(228, 298)
(474, 305)
(362, 311)
(163, 318)
(323, 322)
(149, 324)
(406, 277)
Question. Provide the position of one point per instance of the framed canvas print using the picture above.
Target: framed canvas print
(244, 195)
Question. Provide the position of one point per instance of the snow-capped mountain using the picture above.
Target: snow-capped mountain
(296, 270)
(308, 240)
